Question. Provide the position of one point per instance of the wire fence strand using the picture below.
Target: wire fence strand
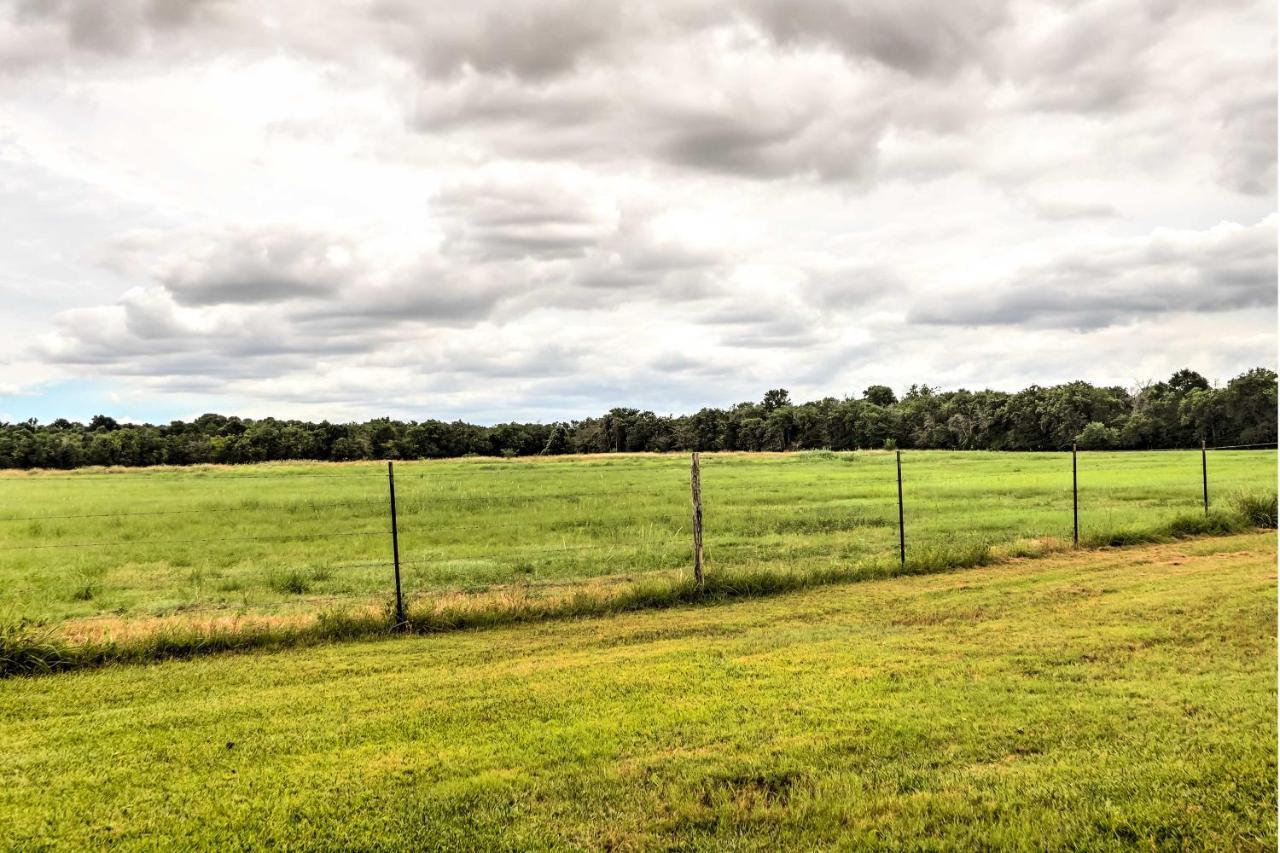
(121, 542)
(646, 521)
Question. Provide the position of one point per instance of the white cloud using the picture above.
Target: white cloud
(545, 209)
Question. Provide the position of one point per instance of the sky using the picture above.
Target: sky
(541, 210)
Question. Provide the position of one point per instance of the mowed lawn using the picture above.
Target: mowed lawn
(299, 537)
(1122, 698)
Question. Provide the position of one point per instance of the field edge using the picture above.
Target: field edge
(34, 650)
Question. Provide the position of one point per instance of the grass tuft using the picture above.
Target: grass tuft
(1216, 523)
(292, 582)
(27, 649)
(1258, 509)
(83, 592)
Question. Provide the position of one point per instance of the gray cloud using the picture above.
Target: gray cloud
(749, 88)
(1247, 143)
(238, 265)
(534, 40)
(36, 33)
(1226, 268)
(569, 242)
(790, 334)
(914, 36)
(745, 124)
(489, 219)
(285, 296)
(751, 140)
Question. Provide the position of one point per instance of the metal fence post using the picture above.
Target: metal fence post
(1204, 473)
(395, 545)
(1075, 501)
(902, 530)
(695, 488)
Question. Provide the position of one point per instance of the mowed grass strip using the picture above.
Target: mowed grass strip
(1092, 700)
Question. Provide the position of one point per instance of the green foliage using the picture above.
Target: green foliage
(1178, 413)
(1096, 436)
(880, 395)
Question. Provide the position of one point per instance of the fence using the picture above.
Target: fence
(303, 539)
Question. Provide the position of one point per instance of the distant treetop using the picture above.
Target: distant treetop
(1180, 412)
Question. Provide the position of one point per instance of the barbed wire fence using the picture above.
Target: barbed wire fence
(748, 519)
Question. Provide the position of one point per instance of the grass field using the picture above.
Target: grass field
(281, 538)
(1096, 700)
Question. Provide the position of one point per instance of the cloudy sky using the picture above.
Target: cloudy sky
(543, 209)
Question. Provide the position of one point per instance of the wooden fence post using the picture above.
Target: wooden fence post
(902, 528)
(695, 487)
(395, 546)
(1075, 501)
(1204, 473)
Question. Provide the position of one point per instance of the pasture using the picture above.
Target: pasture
(1093, 700)
(113, 546)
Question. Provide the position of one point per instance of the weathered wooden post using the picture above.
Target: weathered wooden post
(1075, 501)
(902, 529)
(1204, 473)
(695, 487)
(395, 546)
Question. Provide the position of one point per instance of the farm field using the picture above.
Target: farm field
(282, 538)
(1094, 700)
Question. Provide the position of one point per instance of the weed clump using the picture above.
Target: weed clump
(292, 582)
(28, 649)
(1258, 509)
(1182, 527)
(1213, 524)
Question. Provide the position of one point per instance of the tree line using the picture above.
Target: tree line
(1177, 413)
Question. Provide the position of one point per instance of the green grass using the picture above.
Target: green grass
(299, 538)
(28, 649)
(1093, 700)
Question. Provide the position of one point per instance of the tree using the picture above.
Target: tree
(775, 399)
(102, 423)
(1203, 410)
(1249, 403)
(1184, 381)
(1096, 436)
(557, 440)
(779, 427)
(1178, 412)
(879, 395)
